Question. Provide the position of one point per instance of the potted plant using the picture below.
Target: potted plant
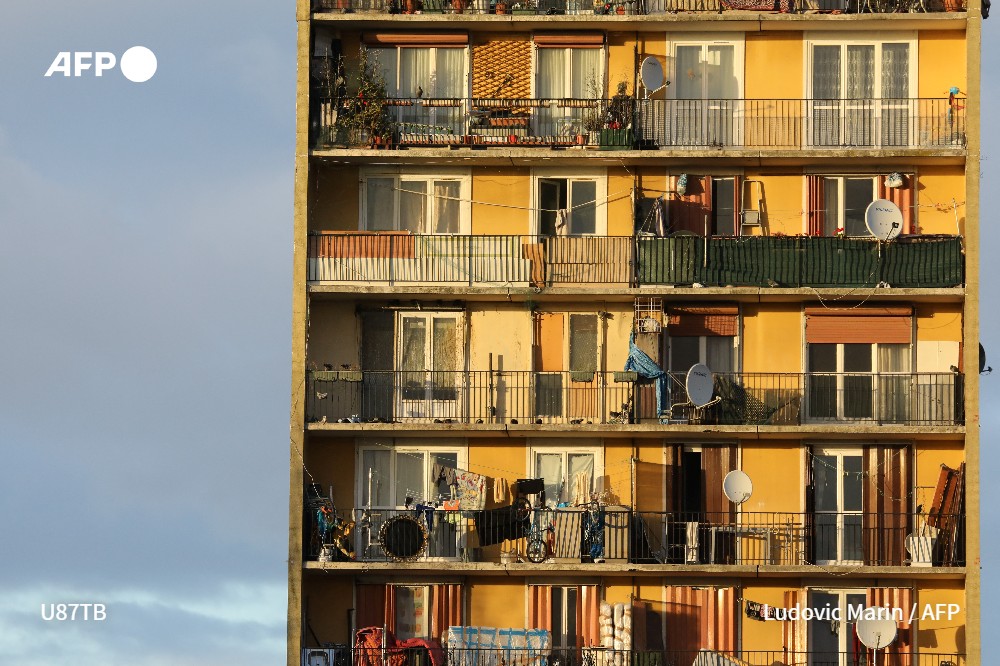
(621, 112)
(368, 106)
(593, 116)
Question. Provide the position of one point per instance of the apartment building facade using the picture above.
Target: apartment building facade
(513, 241)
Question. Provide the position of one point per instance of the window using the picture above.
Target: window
(724, 207)
(418, 204)
(718, 352)
(570, 204)
(834, 642)
(562, 73)
(707, 91)
(412, 604)
(716, 198)
(390, 474)
(423, 72)
(845, 201)
(429, 362)
(838, 501)
(854, 381)
(564, 614)
(569, 472)
(860, 92)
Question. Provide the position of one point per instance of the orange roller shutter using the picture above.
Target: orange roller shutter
(865, 326)
(426, 39)
(562, 40)
(696, 321)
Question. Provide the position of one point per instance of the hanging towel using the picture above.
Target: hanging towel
(562, 219)
(581, 488)
(639, 361)
(500, 491)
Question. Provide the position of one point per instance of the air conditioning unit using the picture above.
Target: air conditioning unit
(339, 655)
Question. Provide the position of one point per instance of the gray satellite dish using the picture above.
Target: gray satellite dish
(876, 634)
(737, 486)
(883, 219)
(651, 74)
(699, 385)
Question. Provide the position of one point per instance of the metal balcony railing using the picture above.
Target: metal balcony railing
(626, 7)
(542, 261)
(672, 124)
(618, 534)
(478, 397)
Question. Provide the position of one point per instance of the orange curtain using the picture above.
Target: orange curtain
(587, 614)
(700, 618)
(793, 632)
(899, 653)
(446, 610)
(902, 197)
(375, 606)
(540, 607)
(815, 204)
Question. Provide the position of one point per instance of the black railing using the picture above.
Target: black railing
(620, 535)
(585, 398)
(545, 655)
(627, 7)
(542, 261)
(674, 124)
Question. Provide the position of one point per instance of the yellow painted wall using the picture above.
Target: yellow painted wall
(496, 602)
(783, 201)
(326, 600)
(773, 65)
(758, 635)
(501, 329)
(621, 61)
(620, 207)
(930, 455)
(331, 462)
(772, 465)
(939, 321)
(941, 63)
(502, 457)
(334, 200)
(618, 470)
(493, 189)
(943, 634)
(772, 337)
(940, 191)
(334, 335)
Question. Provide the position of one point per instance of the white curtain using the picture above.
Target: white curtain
(826, 72)
(415, 73)
(387, 65)
(551, 80)
(860, 82)
(895, 71)
(445, 350)
(719, 353)
(446, 206)
(548, 466)
(720, 72)
(689, 72)
(412, 206)
(376, 463)
(450, 73)
(380, 204)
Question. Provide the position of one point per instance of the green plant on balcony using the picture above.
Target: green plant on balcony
(368, 114)
(330, 90)
(618, 123)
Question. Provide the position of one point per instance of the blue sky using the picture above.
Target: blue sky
(145, 253)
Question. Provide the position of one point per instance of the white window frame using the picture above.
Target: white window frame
(840, 452)
(600, 176)
(702, 351)
(397, 447)
(568, 57)
(393, 86)
(428, 406)
(843, 635)
(705, 39)
(565, 448)
(427, 604)
(840, 374)
(841, 197)
(463, 177)
(876, 39)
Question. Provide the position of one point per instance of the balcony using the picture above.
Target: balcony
(673, 124)
(623, 261)
(596, 656)
(620, 535)
(628, 8)
(488, 398)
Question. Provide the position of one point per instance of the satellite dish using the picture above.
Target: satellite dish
(699, 385)
(737, 486)
(651, 73)
(876, 634)
(883, 219)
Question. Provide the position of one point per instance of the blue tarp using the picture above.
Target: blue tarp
(640, 362)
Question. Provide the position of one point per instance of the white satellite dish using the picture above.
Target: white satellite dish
(699, 385)
(884, 219)
(651, 74)
(876, 634)
(737, 486)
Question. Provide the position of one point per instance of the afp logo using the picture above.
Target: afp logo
(138, 64)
